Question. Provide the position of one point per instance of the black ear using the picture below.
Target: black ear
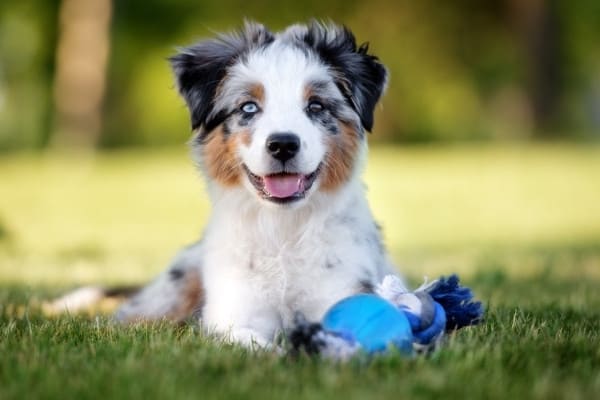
(200, 68)
(361, 77)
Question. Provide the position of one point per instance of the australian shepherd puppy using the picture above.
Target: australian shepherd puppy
(280, 125)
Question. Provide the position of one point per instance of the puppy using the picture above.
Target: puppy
(279, 125)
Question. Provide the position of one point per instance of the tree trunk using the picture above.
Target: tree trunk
(81, 64)
(538, 29)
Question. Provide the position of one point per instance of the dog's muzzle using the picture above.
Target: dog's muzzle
(282, 187)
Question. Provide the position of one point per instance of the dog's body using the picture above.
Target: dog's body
(279, 126)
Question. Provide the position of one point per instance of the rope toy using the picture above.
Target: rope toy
(392, 318)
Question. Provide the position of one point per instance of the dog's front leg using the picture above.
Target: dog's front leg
(239, 311)
(249, 337)
(250, 327)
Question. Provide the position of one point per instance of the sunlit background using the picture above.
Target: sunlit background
(484, 155)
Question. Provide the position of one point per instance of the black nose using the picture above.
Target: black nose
(283, 146)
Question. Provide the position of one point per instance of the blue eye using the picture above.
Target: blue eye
(249, 107)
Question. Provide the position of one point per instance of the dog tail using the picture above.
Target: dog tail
(89, 299)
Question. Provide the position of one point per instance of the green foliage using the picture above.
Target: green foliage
(27, 41)
(460, 70)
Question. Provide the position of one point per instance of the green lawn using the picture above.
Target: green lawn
(521, 224)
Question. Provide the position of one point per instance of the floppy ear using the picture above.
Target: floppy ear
(199, 69)
(360, 76)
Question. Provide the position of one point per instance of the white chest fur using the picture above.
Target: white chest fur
(262, 265)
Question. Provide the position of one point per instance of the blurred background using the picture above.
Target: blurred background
(486, 139)
(93, 72)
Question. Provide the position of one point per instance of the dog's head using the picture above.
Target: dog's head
(283, 115)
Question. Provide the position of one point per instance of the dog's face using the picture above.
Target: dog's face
(282, 115)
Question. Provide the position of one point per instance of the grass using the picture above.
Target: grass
(521, 224)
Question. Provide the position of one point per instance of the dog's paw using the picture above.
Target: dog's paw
(251, 339)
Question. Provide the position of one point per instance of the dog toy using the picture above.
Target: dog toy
(410, 322)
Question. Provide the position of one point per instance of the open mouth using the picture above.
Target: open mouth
(282, 187)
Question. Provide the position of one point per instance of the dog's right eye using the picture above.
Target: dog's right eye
(249, 107)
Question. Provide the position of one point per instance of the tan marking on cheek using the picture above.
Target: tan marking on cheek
(245, 137)
(340, 159)
(220, 157)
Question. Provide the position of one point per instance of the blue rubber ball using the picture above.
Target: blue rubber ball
(371, 321)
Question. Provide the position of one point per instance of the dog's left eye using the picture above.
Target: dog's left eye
(315, 107)
(249, 107)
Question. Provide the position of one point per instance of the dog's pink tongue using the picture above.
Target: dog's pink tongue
(282, 186)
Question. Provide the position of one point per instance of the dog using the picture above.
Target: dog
(280, 123)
